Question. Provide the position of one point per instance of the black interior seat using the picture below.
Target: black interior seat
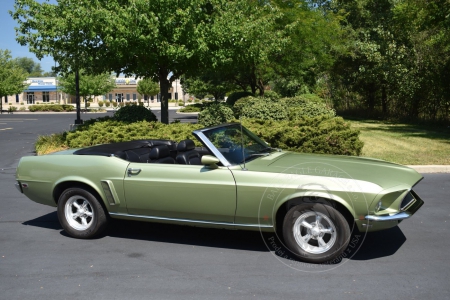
(161, 155)
(187, 155)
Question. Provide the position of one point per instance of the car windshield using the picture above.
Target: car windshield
(236, 143)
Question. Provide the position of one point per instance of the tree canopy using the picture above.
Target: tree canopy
(147, 87)
(12, 76)
(90, 85)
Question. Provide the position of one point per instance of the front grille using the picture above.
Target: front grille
(407, 201)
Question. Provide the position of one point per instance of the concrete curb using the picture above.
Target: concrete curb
(431, 168)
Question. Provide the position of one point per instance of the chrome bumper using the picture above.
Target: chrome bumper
(401, 215)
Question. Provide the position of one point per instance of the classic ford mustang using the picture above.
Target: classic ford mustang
(234, 181)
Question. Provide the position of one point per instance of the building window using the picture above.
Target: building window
(128, 97)
(45, 96)
(104, 97)
(30, 97)
(134, 97)
(6, 99)
(17, 98)
(110, 97)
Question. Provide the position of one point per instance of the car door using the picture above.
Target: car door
(180, 192)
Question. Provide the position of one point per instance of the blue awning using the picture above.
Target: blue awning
(41, 88)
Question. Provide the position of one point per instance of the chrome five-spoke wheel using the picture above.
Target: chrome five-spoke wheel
(79, 213)
(315, 232)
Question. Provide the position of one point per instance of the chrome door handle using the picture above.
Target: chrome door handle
(132, 171)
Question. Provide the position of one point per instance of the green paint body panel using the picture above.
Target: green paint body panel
(225, 197)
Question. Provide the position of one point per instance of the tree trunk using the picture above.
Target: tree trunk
(77, 97)
(1, 104)
(164, 86)
(384, 100)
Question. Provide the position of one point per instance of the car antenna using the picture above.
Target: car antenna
(242, 145)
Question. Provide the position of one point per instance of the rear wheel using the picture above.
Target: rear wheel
(315, 232)
(81, 214)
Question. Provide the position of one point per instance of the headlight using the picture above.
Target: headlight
(378, 206)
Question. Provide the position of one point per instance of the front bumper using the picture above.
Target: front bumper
(405, 214)
(380, 222)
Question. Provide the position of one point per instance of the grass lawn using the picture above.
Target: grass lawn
(404, 144)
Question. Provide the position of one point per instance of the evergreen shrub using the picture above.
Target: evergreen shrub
(215, 114)
(134, 113)
(233, 97)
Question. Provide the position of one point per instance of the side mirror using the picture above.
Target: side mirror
(210, 161)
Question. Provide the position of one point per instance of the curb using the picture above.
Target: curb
(431, 168)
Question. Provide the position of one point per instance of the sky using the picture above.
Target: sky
(8, 37)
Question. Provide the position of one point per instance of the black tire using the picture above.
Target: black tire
(315, 232)
(81, 214)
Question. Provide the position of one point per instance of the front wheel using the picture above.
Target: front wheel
(81, 214)
(315, 232)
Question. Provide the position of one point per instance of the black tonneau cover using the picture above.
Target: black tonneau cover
(118, 149)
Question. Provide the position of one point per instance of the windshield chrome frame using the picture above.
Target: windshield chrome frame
(202, 137)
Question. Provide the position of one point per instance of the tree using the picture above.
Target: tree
(88, 84)
(147, 87)
(315, 38)
(12, 77)
(208, 83)
(30, 66)
(244, 39)
(161, 39)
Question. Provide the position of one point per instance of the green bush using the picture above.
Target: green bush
(196, 107)
(22, 108)
(271, 95)
(12, 108)
(141, 103)
(261, 108)
(107, 103)
(233, 97)
(301, 107)
(215, 114)
(100, 103)
(134, 113)
(114, 104)
(111, 131)
(51, 107)
(312, 135)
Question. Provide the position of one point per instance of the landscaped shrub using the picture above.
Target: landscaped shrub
(100, 103)
(310, 110)
(51, 107)
(109, 131)
(114, 104)
(107, 103)
(134, 113)
(233, 97)
(311, 135)
(264, 109)
(214, 114)
(196, 107)
(271, 95)
(22, 108)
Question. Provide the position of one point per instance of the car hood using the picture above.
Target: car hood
(380, 172)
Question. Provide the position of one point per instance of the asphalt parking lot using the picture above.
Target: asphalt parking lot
(136, 260)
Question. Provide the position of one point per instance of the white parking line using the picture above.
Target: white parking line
(5, 128)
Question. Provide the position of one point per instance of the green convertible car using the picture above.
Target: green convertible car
(234, 181)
